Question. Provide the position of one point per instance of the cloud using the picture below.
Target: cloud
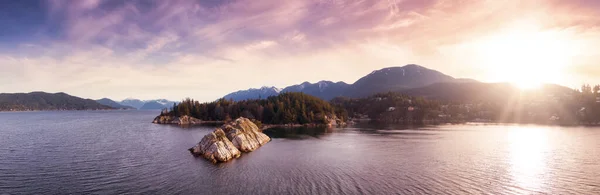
(261, 45)
(205, 49)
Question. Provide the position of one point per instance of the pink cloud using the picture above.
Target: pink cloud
(356, 36)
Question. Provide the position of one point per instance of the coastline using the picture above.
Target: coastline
(58, 110)
(262, 127)
(269, 126)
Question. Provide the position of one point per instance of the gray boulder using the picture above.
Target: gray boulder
(245, 135)
(215, 147)
(182, 120)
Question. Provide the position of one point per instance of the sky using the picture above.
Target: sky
(151, 49)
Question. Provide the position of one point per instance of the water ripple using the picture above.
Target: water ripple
(119, 152)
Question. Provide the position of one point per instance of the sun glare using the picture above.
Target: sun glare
(525, 55)
(527, 84)
(528, 149)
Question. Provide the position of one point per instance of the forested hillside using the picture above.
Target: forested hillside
(46, 101)
(286, 108)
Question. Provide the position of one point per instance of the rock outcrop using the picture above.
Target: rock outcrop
(245, 135)
(182, 120)
(215, 147)
(225, 143)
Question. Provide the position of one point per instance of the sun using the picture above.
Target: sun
(525, 55)
(527, 84)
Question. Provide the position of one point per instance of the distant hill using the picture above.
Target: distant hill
(253, 93)
(157, 104)
(147, 104)
(132, 102)
(395, 79)
(383, 80)
(323, 89)
(111, 103)
(476, 91)
(413, 80)
(46, 101)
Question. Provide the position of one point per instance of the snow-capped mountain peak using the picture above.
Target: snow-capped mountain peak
(322, 85)
(253, 93)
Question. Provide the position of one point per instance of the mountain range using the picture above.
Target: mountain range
(323, 89)
(156, 104)
(253, 93)
(477, 91)
(62, 101)
(137, 104)
(388, 79)
(131, 103)
(411, 80)
(111, 103)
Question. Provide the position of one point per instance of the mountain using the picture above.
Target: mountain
(465, 80)
(323, 89)
(395, 79)
(383, 80)
(253, 93)
(132, 102)
(46, 101)
(158, 104)
(476, 91)
(415, 80)
(111, 103)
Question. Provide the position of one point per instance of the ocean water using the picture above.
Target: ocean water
(121, 152)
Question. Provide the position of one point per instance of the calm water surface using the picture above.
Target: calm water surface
(121, 152)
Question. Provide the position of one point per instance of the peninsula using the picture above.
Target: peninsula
(36, 101)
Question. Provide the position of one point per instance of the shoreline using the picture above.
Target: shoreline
(189, 121)
(263, 127)
(11, 111)
(270, 126)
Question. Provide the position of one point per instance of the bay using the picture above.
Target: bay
(121, 152)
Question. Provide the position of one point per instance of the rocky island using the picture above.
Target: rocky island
(244, 133)
(286, 109)
(230, 140)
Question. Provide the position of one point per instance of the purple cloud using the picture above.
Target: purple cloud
(89, 40)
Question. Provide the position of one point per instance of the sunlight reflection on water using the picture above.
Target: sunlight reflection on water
(528, 147)
(121, 152)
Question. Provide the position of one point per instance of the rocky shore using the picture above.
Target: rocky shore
(228, 141)
(333, 121)
(182, 120)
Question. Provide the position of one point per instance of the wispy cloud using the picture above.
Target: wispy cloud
(205, 49)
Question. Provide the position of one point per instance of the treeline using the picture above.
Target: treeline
(542, 107)
(46, 101)
(286, 108)
(390, 107)
(588, 104)
(545, 106)
(573, 107)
